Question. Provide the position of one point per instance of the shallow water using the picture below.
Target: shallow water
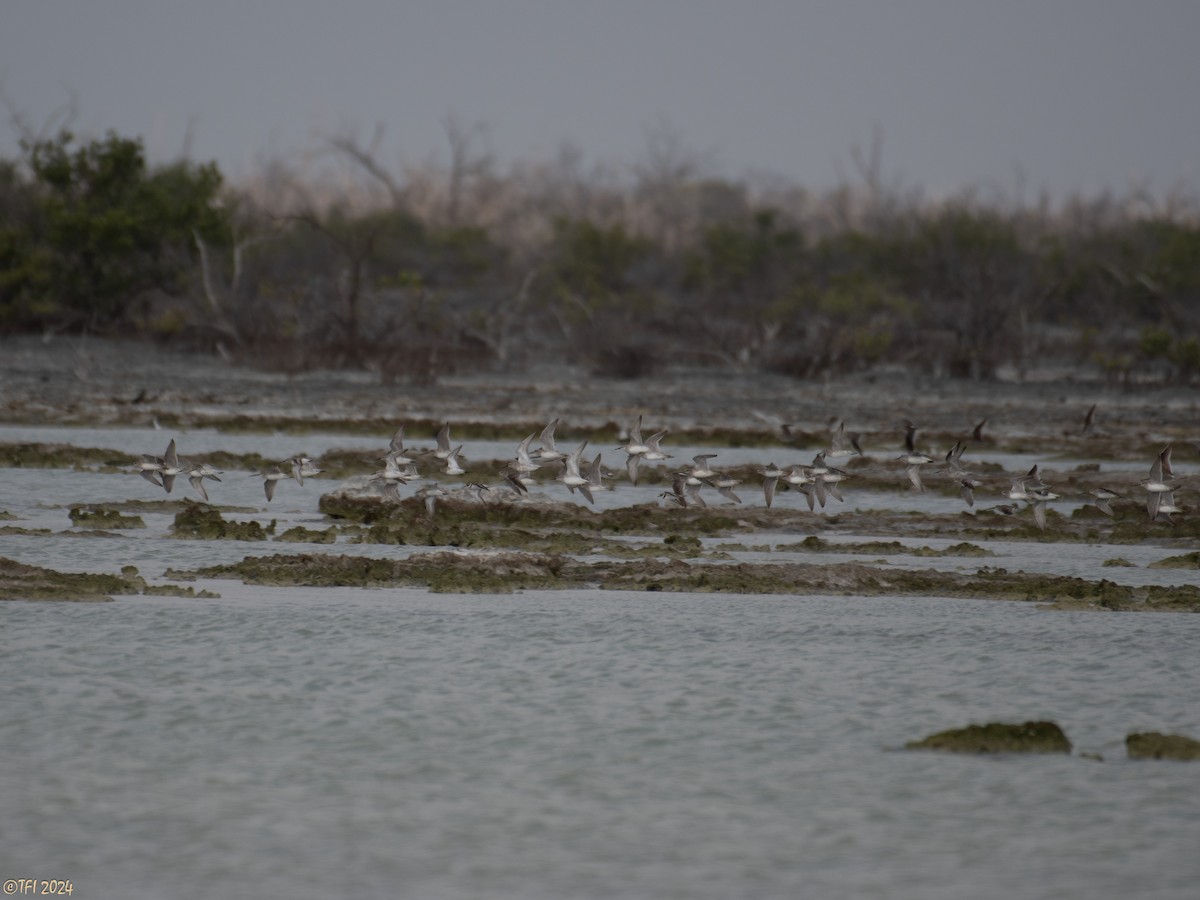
(308, 743)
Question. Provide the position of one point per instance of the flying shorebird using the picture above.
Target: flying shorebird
(652, 451)
(1158, 483)
(150, 468)
(1088, 419)
(837, 445)
(197, 472)
(548, 452)
(513, 479)
(1166, 507)
(430, 493)
(771, 474)
(453, 467)
(595, 474)
(171, 467)
(700, 467)
(302, 467)
(572, 477)
(803, 480)
(637, 449)
(270, 475)
(524, 464)
(1104, 497)
(1038, 500)
(913, 459)
(966, 488)
(724, 485)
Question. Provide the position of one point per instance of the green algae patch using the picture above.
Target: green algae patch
(62, 456)
(179, 590)
(19, 581)
(1181, 598)
(681, 576)
(17, 529)
(540, 514)
(1119, 562)
(302, 535)
(1185, 561)
(1152, 745)
(814, 544)
(997, 737)
(440, 572)
(487, 570)
(199, 522)
(103, 517)
(964, 548)
(6, 516)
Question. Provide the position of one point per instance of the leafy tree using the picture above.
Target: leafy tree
(109, 230)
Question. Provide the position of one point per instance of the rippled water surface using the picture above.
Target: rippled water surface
(587, 744)
(395, 743)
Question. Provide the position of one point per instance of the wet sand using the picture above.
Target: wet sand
(94, 381)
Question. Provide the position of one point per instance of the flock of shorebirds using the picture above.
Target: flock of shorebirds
(817, 481)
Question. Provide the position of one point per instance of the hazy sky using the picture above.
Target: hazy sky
(1079, 94)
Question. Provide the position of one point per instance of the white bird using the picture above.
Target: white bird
(1038, 500)
(548, 451)
(430, 493)
(595, 474)
(523, 464)
(800, 479)
(771, 474)
(967, 486)
(1158, 483)
(443, 450)
(700, 467)
(270, 476)
(453, 467)
(1166, 506)
(1104, 497)
(724, 485)
(572, 477)
(913, 458)
(171, 467)
(150, 468)
(831, 479)
(652, 452)
(838, 448)
(302, 467)
(196, 475)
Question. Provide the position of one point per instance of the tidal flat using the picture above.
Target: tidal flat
(627, 697)
(86, 428)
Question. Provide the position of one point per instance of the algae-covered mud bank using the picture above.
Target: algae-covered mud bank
(492, 572)
(25, 582)
(998, 737)
(743, 482)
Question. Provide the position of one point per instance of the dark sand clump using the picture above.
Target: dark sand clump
(997, 737)
(1152, 745)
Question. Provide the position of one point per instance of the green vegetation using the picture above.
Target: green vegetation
(480, 267)
(95, 232)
